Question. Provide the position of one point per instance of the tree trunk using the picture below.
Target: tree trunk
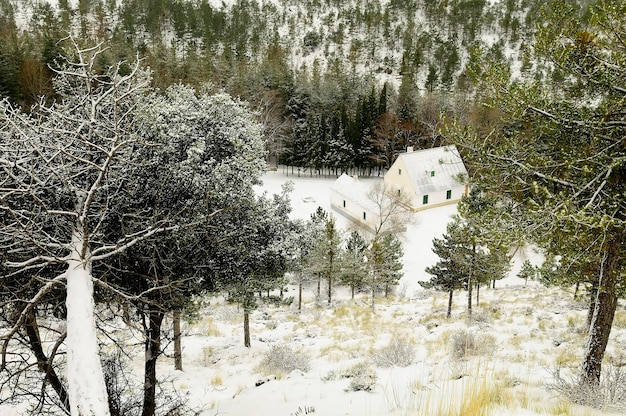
(152, 351)
(373, 297)
(352, 287)
(178, 351)
(593, 294)
(478, 294)
(469, 280)
(604, 311)
(330, 288)
(469, 294)
(300, 294)
(85, 378)
(319, 285)
(43, 363)
(449, 314)
(246, 328)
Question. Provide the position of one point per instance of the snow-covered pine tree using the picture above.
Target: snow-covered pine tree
(354, 266)
(527, 271)
(206, 154)
(557, 149)
(252, 252)
(450, 272)
(384, 258)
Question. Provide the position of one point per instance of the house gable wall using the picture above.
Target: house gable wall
(398, 178)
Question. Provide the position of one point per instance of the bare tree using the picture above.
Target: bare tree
(392, 209)
(62, 165)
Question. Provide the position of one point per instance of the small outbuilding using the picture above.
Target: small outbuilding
(431, 177)
(349, 197)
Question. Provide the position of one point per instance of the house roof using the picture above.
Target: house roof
(445, 162)
(355, 191)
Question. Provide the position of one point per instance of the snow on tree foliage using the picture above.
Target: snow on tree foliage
(62, 164)
(205, 153)
(99, 172)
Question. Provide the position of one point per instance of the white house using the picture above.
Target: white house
(431, 177)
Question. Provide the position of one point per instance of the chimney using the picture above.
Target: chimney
(409, 149)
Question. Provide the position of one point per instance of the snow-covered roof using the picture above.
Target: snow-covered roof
(355, 191)
(445, 162)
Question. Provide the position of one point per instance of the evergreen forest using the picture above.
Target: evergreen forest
(339, 86)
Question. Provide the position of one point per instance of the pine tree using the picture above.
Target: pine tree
(384, 258)
(312, 262)
(450, 272)
(557, 150)
(527, 271)
(354, 268)
(326, 254)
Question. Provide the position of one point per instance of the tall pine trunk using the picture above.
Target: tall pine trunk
(246, 328)
(152, 352)
(178, 351)
(319, 285)
(300, 294)
(330, 288)
(449, 314)
(606, 303)
(85, 378)
(469, 280)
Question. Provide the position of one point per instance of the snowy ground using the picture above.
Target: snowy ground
(521, 333)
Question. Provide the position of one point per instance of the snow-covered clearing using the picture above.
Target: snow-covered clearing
(520, 333)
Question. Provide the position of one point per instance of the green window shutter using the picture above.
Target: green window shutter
(425, 199)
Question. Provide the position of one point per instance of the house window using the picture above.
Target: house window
(425, 199)
(399, 172)
(364, 216)
(432, 173)
(344, 203)
(449, 194)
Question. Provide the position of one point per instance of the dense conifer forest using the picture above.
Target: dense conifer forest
(339, 86)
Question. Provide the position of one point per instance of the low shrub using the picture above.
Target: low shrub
(465, 343)
(282, 359)
(399, 352)
(609, 394)
(362, 377)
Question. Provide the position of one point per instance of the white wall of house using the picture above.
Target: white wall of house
(348, 197)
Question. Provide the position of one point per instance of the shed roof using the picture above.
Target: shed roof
(355, 191)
